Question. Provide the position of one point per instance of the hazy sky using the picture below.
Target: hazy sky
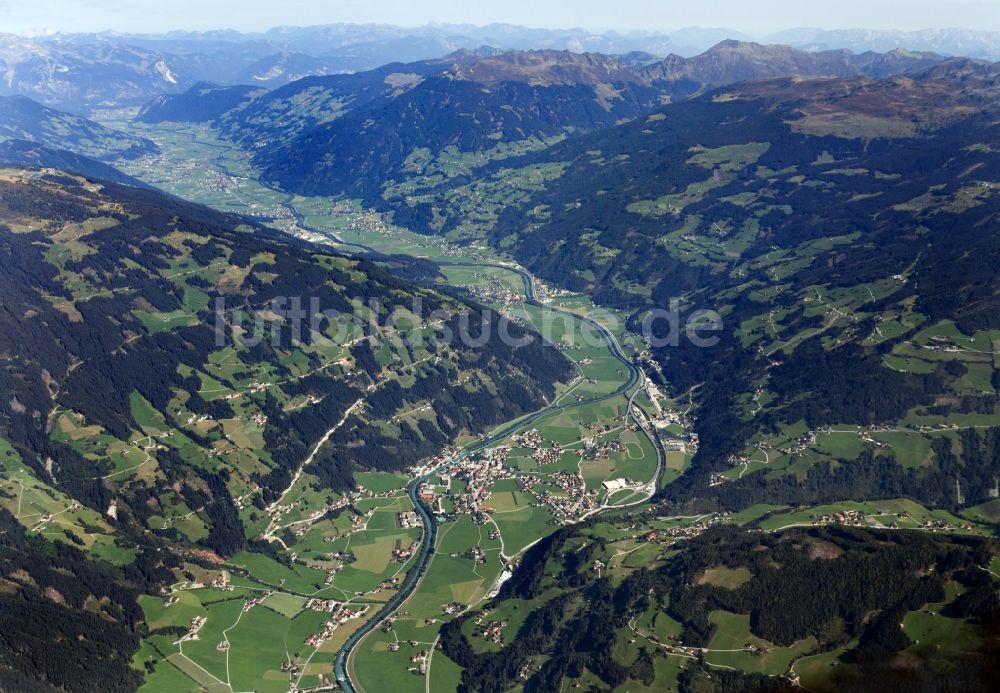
(21, 16)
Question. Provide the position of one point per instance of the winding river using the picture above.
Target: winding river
(429, 533)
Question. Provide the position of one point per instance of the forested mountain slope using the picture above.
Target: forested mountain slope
(24, 119)
(738, 610)
(480, 109)
(204, 102)
(136, 426)
(393, 132)
(38, 156)
(844, 229)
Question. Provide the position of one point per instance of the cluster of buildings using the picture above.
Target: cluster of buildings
(259, 419)
(654, 395)
(276, 512)
(568, 500)
(492, 631)
(577, 501)
(530, 440)
(402, 555)
(673, 535)
(853, 518)
(339, 616)
(255, 601)
(406, 520)
(208, 179)
(420, 662)
(717, 480)
(151, 446)
(442, 459)
(322, 604)
(548, 455)
(596, 449)
(294, 671)
(799, 445)
(475, 554)
(493, 291)
(545, 292)
(479, 472)
(301, 528)
(482, 615)
(225, 452)
(371, 223)
(856, 518)
(196, 624)
(941, 525)
(666, 416)
(613, 485)
(686, 442)
(697, 652)
(221, 581)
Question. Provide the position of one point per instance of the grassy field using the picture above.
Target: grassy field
(296, 578)
(729, 578)
(260, 640)
(733, 635)
(287, 605)
(379, 482)
(48, 511)
(903, 513)
(522, 527)
(453, 577)
(378, 669)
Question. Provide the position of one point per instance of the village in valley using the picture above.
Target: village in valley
(339, 557)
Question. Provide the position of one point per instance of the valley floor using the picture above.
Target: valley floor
(258, 624)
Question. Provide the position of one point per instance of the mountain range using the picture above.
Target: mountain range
(24, 119)
(838, 225)
(969, 43)
(420, 122)
(83, 72)
(38, 156)
(571, 163)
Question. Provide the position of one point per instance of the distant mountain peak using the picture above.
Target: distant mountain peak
(975, 76)
(543, 67)
(731, 61)
(483, 51)
(732, 43)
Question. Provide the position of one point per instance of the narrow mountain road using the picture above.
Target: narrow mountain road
(274, 525)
